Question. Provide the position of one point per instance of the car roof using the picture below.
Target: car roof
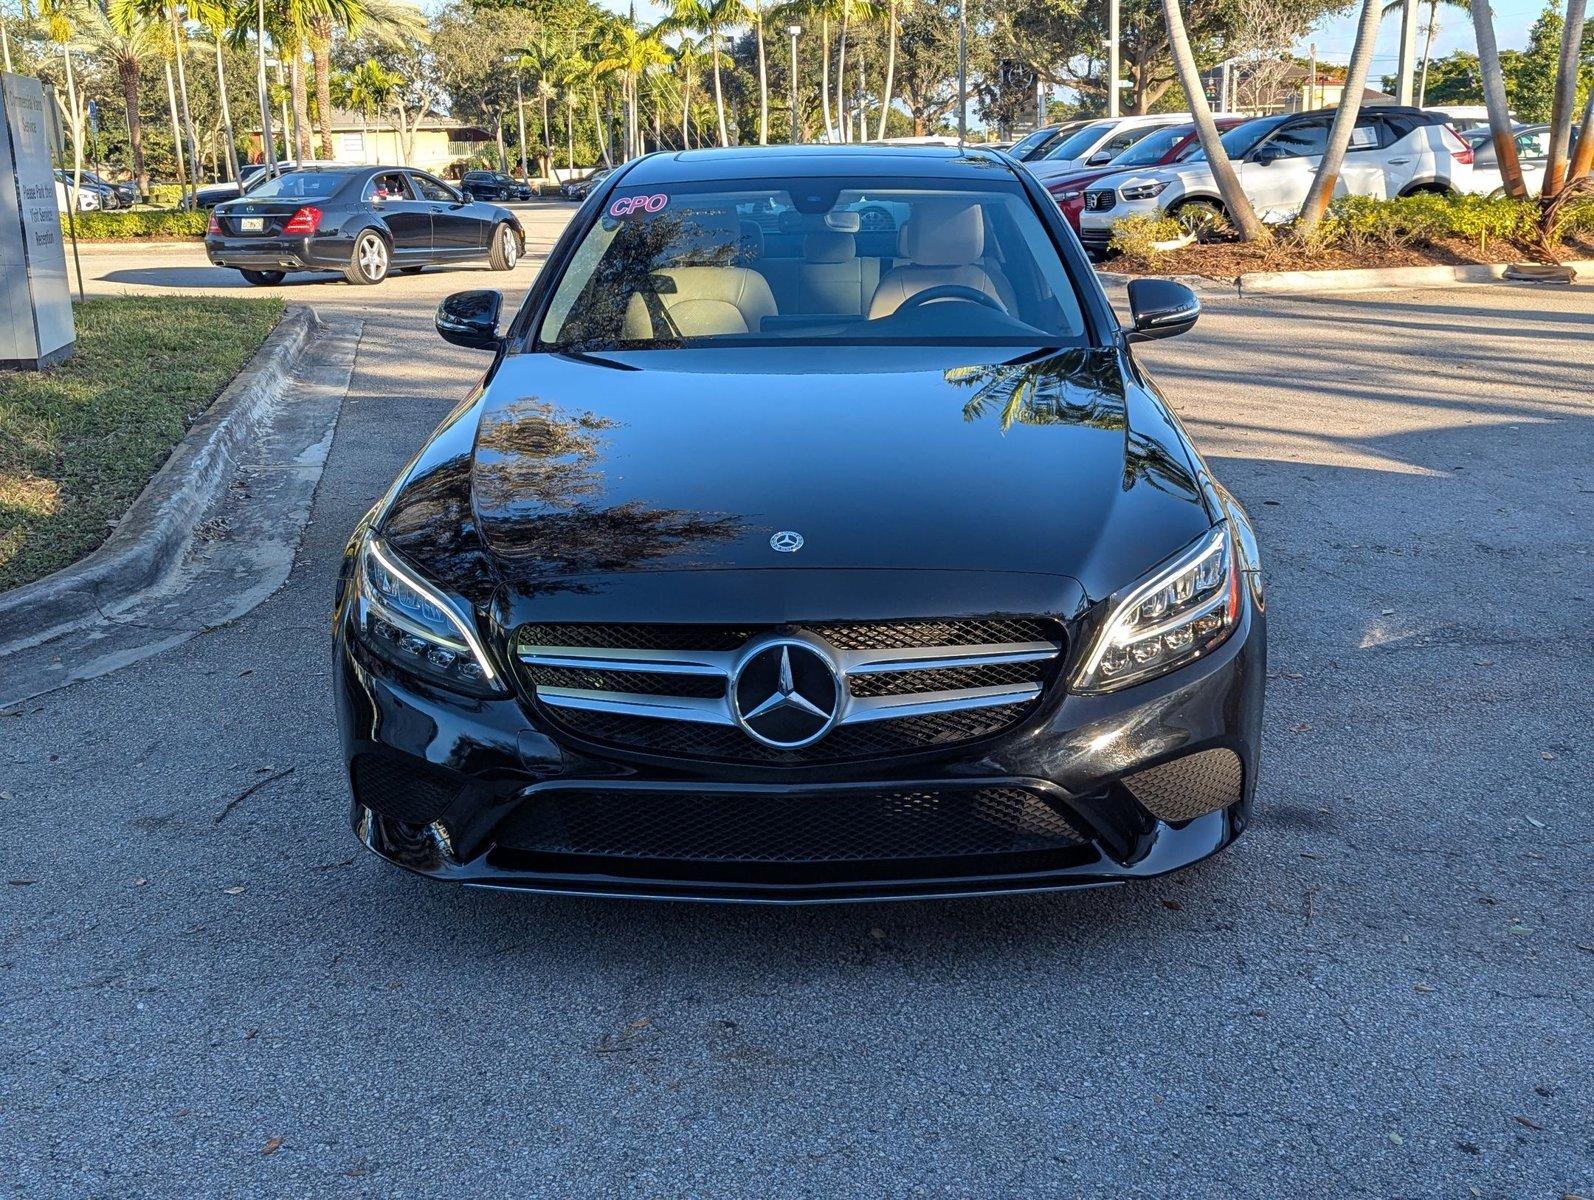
(812, 161)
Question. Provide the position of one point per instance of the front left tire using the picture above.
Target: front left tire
(370, 261)
(505, 252)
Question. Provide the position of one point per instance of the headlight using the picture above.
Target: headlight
(1184, 610)
(1074, 195)
(415, 626)
(1142, 191)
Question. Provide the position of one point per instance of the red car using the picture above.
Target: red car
(1156, 149)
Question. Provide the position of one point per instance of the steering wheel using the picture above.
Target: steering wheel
(951, 291)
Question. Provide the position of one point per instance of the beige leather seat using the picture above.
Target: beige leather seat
(701, 297)
(832, 279)
(944, 242)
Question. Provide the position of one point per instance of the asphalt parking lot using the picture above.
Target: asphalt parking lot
(1383, 990)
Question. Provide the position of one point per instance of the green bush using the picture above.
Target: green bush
(1136, 237)
(1357, 222)
(140, 224)
(165, 195)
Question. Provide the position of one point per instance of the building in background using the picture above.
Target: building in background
(439, 143)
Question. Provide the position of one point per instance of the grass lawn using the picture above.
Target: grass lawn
(78, 442)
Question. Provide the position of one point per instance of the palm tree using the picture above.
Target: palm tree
(1241, 215)
(58, 19)
(688, 56)
(1505, 146)
(369, 89)
(1350, 103)
(1564, 104)
(763, 74)
(712, 18)
(893, 27)
(1399, 6)
(322, 20)
(217, 17)
(125, 43)
(627, 53)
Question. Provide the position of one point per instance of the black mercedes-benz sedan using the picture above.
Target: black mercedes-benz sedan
(780, 558)
(362, 222)
(493, 185)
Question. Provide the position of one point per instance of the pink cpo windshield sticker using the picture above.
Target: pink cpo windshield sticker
(630, 206)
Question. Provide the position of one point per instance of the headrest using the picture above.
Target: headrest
(828, 247)
(944, 233)
(750, 241)
(705, 237)
(844, 221)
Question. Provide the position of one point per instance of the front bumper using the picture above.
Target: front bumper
(317, 253)
(1094, 790)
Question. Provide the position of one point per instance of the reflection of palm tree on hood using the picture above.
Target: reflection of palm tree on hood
(536, 470)
(1077, 387)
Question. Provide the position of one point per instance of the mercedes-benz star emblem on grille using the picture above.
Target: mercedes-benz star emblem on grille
(787, 541)
(786, 694)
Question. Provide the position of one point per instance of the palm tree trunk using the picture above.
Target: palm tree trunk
(182, 95)
(1241, 215)
(301, 106)
(400, 134)
(321, 65)
(1427, 53)
(686, 110)
(226, 109)
(547, 136)
(570, 130)
(177, 130)
(891, 68)
(824, 78)
(1563, 110)
(127, 71)
(601, 129)
(1361, 57)
(843, 119)
(763, 82)
(1505, 146)
(1583, 159)
(719, 95)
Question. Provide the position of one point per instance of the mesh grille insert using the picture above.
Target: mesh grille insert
(1189, 787)
(777, 828)
(393, 790)
(654, 683)
(898, 683)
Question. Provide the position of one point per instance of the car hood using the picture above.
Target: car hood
(883, 458)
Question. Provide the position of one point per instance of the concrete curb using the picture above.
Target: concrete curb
(151, 537)
(1366, 279)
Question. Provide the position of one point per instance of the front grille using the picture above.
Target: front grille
(758, 827)
(905, 686)
(1099, 200)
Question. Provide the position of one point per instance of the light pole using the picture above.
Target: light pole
(794, 30)
(963, 72)
(1113, 65)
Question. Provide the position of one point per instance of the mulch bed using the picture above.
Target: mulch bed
(1225, 260)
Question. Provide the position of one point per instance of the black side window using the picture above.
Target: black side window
(390, 186)
(1300, 139)
(431, 189)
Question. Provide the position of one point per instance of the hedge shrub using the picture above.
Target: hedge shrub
(165, 195)
(140, 224)
(1136, 237)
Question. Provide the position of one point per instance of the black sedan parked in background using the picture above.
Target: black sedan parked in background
(362, 222)
(577, 189)
(762, 567)
(493, 185)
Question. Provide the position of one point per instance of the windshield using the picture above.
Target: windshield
(1154, 147)
(815, 261)
(1030, 141)
(1240, 140)
(1079, 145)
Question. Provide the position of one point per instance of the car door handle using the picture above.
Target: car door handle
(1399, 162)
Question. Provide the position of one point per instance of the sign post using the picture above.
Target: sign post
(36, 327)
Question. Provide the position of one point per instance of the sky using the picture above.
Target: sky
(1334, 37)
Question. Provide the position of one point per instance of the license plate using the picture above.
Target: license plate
(251, 224)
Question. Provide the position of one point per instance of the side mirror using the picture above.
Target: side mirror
(1161, 308)
(1267, 154)
(470, 319)
(1096, 159)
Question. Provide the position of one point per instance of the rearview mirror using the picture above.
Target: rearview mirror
(470, 319)
(1161, 308)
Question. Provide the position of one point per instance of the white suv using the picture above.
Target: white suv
(1393, 152)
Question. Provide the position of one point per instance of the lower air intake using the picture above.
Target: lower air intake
(780, 828)
(391, 789)
(1190, 787)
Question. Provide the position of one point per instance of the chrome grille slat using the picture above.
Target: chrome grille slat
(891, 675)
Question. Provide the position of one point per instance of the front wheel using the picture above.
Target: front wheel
(264, 278)
(505, 252)
(369, 262)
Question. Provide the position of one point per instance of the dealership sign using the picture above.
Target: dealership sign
(35, 303)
